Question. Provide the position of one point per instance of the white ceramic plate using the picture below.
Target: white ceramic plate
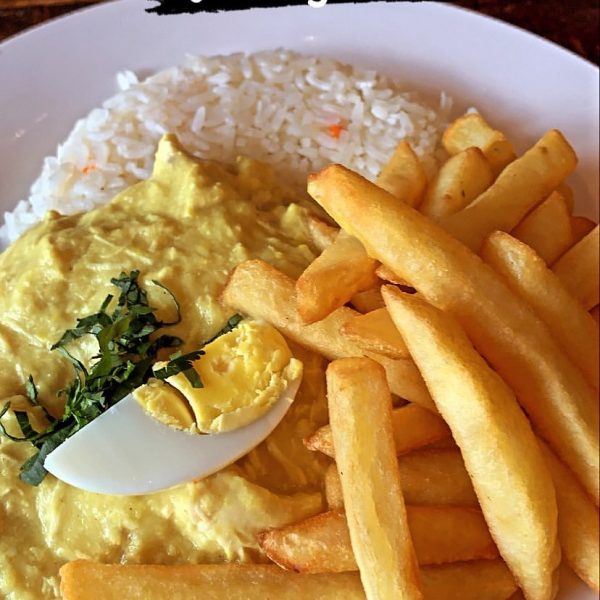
(54, 74)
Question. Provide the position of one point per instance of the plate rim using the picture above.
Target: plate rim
(23, 37)
(101, 6)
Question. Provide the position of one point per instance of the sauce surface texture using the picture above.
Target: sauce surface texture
(186, 227)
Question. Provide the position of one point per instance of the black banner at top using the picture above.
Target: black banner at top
(172, 7)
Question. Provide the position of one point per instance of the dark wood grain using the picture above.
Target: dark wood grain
(18, 16)
(572, 24)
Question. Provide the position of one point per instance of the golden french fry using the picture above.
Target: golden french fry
(473, 580)
(581, 226)
(517, 494)
(405, 380)
(368, 300)
(460, 180)
(445, 534)
(527, 275)
(321, 544)
(445, 444)
(333, 488)
(375, 332)
(504, 329)
(403, 175)
(333, 278)
(547, 228)
(520, 187)
(86, 580)
(578, 530)
(436, 477)
(258, 289)
(413, 427)
(579, 271)
(471, 130)
(566, 191)
(261, 291)
(366, 459)
(430, 477)
(322, 234)
(387, 274)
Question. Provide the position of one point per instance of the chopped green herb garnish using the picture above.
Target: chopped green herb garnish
(182, 363)
(3, 431)
(229, 326)
(32, 395)
(124, 362)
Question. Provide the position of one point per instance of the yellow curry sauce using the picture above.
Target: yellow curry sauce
(187, 227)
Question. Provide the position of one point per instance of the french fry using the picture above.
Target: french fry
(517, 495)
(566, 191)
(322, 234)
(519, 346)
(445, 444)
(405, 380)
(471, 130)
(86, 580)
(578, 530)
(387, 274)
(520, 187)
(333, 488)
(581, 226)
(595, 312)
(261, 291)
(444, 534)
(579, 271)
(436, 477)
(375, 332)
(366, 458)
(368, 300)
(460, 180)
(430, 477)
(473, 580)
(403, 175)
(527, 275)
(341, 270)
(321, 544)
(413, 427)
(547, 228)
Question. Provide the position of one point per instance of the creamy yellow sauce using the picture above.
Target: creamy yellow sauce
(187, 227)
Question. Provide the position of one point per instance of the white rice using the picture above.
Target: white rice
(274, 106)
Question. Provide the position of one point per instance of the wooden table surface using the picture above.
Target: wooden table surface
(571, 23)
